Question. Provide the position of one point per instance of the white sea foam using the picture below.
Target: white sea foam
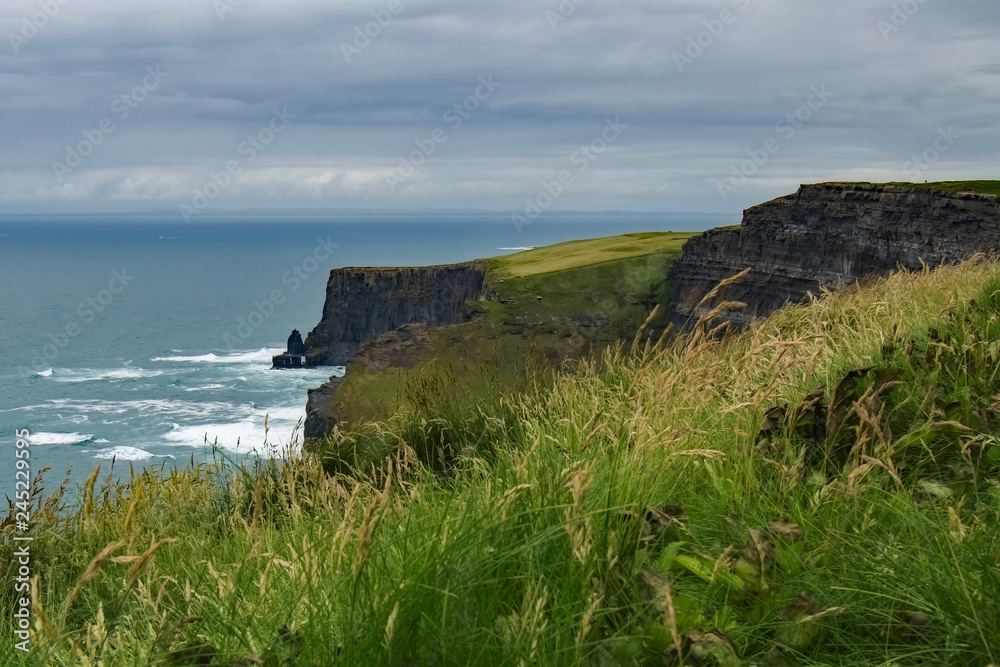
(246, 435)
(47, 373)
(262, 355)
(42, 438)
(124, 453)
(149, 407)
(207, 387)
(115, 375)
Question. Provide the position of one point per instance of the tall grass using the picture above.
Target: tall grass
(714, 501)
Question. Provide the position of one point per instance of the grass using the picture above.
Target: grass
(982, 187)
(821, 489)
(575, 254)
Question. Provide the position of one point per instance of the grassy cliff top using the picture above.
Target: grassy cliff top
(575, 254)
(980, 187)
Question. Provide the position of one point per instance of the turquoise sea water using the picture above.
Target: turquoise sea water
(144, 339)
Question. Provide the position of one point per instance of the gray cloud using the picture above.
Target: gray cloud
(893, 84)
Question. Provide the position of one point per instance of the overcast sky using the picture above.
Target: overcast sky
(649, 105)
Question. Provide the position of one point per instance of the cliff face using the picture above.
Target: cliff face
(318, 420)
(364, 303)
(828, 235)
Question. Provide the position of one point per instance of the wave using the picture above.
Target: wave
(43, 374)
(115, 375)
(207, 387)
(125, 453)
(42, 438)
(262, 355)
(147, 407)
(246, 435)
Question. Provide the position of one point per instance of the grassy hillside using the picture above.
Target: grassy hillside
(575, 254)
(552, 304)
(819, 490)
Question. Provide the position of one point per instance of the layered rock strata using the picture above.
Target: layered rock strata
(826, 236)
(364, 303)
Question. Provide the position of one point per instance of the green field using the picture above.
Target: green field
(574, 254)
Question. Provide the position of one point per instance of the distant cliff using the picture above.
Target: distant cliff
(828, 235)
(364, 303)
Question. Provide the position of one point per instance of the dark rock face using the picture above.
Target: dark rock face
(825, 236)
(318, 422)
(294, 355)
(295, 344)
(364, 303)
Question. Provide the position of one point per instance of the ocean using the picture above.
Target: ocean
(145, 340)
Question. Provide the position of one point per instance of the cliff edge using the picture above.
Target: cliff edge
(363, 304)
(829, 235)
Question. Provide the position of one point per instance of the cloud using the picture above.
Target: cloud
(757, 60)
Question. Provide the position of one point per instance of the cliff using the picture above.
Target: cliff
(364, 303)
(538, 309)
(829, 235)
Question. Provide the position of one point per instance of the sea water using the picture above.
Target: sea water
(143, 339)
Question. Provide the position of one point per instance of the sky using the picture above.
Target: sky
(193, 106)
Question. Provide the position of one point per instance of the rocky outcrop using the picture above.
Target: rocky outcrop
(397, 349)
(318, 419)
(294, 355)
(826, 236)
(364, 303)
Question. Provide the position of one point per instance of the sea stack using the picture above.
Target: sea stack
(294, 355)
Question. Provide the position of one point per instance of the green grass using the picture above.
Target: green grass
(679, 505)
(982, 187)
(575, 254)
